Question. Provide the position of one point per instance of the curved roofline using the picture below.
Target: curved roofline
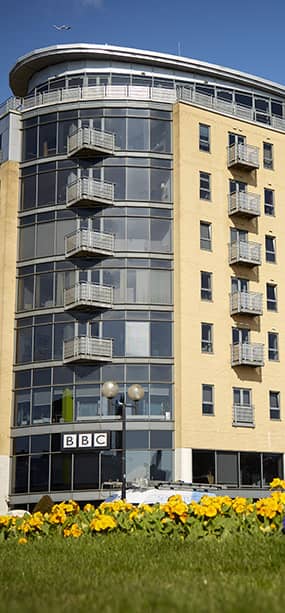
(27, 65)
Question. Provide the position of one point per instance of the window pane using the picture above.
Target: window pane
(160, 138)
(47, 140)
(26, 293)
(137, 339)
(22, 408)
(204, 137)
(24, 345)
(39, 473)
(205, 236)
(28, 192)
(46, 188)
(227, 467)
(87, 402)
(60, 472)
(42, 343)
(41, 406)
(27, 243)
(203, 466)
(161, 345)
(62, 405)
(20, 474)
(86, 471)
(138, 134)
(250, 469)
(272, 467)
(160, 185)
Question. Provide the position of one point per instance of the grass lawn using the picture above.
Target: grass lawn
(117, 573)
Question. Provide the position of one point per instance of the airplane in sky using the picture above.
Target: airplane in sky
(63, 27)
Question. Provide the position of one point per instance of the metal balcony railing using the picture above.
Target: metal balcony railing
(88, 295)
(89, 243)
(243, 156)
(243, 415)
(245, 252)
(249, 303)
(247, 354)
(86, 142)
(89, 192)
(87, 349)
(244, 204)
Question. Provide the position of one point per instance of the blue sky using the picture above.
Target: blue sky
(247, 35)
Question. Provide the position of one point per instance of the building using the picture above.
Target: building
(141, 241)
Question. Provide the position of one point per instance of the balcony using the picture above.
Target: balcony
(247, 205)
(87, 349)
(87, 142)
(86, 243)
(247, 303)
(247, 354)
(243, 415)
(88, 295)
(89, 192)
(245, 252)
(243, 157)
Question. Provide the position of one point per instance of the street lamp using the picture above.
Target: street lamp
(110, 389)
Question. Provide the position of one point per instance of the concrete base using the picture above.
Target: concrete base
(183, 465)
(4, 483)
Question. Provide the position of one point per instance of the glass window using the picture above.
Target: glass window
(39, 473)
(42, 376)
(160, 236)
(274, 405)
(268, 155)
(87, 402)
(242, 396)
(41, 405)
(30, 144)
(206, 285)
(269, 204)
(23, 378)
(272, 467)
(160, 373)
(45, 240)
(60, 471)
(138, 134)
(24, 345)
(270, 249)
(44, 290)
(116, 331)
(62, 405)
(161, 465)
(205, 186)
(160, 185)
(117, 125)
(273, 350)
(137, 339)
(27, 243)
(20, 474)
(46, 188)
(138, 234)
(137, 373)
(250, 469)
(25, 293)
(137, 464)
(160, 439)
(203, 466)
(86, 471)
(22, 408)
(117, 176)
(161, 401)
(111, 466)
(204, 137)
(21, 445)
(65, 129)
(160, 136)
(138, 184)
(207, 399)
(160, 334)
(28, 192)
(206, 338)
(271, 297)
(42, 343)
(47, 140)
(205, 235)
(137, 439)
(227, 467)
(40, 443)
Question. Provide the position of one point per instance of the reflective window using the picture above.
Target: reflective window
(205, 236)
(205, 186)
(39, 473)
(62, 405)
(86, 471)
(268, 155)
(271, 296)
(207, 399)
(204, 137)
(250, 469)
(60, 472)
(41, 406)
(87, 402)
(203, 466)
(274, 405)
(206, 285)
(270, 249)
(273, 346)
(269, 204)
(206, 338)
(137, 339)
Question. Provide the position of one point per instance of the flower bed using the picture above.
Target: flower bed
(217, 516)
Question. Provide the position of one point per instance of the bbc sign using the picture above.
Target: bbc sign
(89, 440)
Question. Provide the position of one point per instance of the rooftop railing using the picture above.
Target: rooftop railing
(134, 92)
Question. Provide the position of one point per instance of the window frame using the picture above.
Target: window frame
(276, 409)
(268, 160)
(207, 344)
(273, 351)
(205, 192)
(270, 256)
(205, 141)
(208, 241)
(269, 207)
(211, 403)
(208, 291)
(271, 301)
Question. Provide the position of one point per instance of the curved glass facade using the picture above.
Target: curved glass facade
(121, 255)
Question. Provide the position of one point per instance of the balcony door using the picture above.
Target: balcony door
(241, 396)
(238, 236)
(237, 187)
(236, 139)
(240, 336)
(239, 285)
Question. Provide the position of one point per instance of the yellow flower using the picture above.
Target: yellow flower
(88, 507)
(36, 520)
(277, 483)
(210, 510)
(74, 531)
(103, 522)
(22, 540)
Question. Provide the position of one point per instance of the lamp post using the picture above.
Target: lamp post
(110, 390)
